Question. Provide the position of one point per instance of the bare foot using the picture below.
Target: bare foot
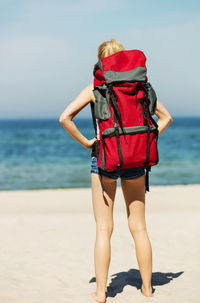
(98, 298)
(147, 292)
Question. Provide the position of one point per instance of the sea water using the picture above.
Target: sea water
(39, 154)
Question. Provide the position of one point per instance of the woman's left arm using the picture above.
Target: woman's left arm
(85, 96)
(164, 117)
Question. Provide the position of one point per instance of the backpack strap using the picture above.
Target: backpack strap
(118, 142)
(156, 125)
(144, 108)
(103, 187)
(117, 118)
(145, 86)
(113, 101)
(147, 180)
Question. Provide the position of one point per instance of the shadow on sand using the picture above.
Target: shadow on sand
(132, 277)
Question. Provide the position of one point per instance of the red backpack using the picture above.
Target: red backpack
(124, 104)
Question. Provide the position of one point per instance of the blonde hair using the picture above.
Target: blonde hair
(108, 48)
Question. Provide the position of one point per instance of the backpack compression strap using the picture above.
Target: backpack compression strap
(117, 118)
(144, 107)
(102, 185)
(113, 101)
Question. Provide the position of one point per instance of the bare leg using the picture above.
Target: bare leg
(103, 213)
(134, 195)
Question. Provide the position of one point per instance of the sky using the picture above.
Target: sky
(48, 49)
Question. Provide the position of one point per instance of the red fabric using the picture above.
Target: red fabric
(124, 60)
(134, 151)
(99, 78)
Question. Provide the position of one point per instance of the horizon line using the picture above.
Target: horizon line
(85, 117)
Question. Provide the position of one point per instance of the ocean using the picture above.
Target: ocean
(40, 154)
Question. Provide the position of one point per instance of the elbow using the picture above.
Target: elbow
(63, 118)
(169, 118)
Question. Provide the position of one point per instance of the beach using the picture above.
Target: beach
(47, 245)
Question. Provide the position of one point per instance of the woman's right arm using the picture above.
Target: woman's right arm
(164, 117)
(85, 96)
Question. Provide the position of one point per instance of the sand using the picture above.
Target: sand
(47, 244)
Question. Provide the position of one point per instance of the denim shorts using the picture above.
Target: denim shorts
(127, 173)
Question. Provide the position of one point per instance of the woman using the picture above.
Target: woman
(133, 188)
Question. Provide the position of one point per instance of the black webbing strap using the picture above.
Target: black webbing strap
(118, 142)
(146, 100)
(113, 101)
(146, 122)
(102, 185)
(93, 117)
(148, 145)
(156, 125)
(117, 117)
(147, 181)
(148, 168)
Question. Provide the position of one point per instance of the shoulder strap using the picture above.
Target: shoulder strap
(93, 117)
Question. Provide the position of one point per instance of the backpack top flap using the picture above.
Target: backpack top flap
(125, 65)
